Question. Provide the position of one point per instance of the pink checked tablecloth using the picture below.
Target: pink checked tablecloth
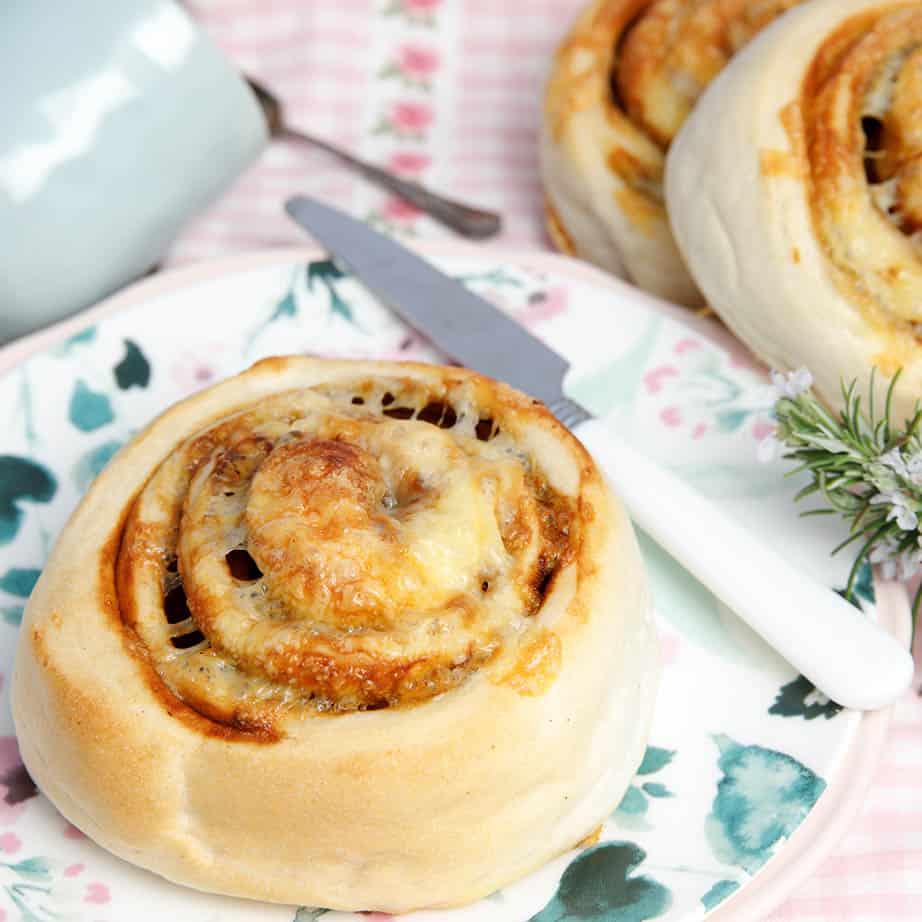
(447, 91)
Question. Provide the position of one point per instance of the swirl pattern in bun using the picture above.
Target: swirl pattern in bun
(622, 83)
(795, 192)
(350, 634)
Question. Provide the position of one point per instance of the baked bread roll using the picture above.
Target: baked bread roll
(621, 85)
(795, 192)
(349, 634)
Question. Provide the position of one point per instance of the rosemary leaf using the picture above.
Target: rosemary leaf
(867, 469)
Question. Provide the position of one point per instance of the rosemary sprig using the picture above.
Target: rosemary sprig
(865, 468)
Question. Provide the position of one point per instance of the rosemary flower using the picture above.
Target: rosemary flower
(792, 384)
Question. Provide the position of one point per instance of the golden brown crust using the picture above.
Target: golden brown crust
(336, 809)
(675, 49)
(537, 666)
(860, 104)
(581, 80)
(623, 81)
(819, 262)
(556, 231)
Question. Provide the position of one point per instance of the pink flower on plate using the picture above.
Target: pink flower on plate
(671, 417)
(191, 372)
(686, 345)
(397, 210)
(411, 118)
(97, 893)
(417, 62)
(653, 379)
(10, 843)
(409, 163)
(421, 6)
(764, 428)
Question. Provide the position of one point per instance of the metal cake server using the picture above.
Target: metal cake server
(844, 654)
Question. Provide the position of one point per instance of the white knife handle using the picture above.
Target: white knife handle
(842, 652)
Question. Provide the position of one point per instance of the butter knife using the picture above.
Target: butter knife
(843, 653)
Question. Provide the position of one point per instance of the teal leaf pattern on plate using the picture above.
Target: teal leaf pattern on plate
(89, 410)
(84, 337)
(655, 760)
(499, 277)
(325, 272)
(91, 463)
(718, 893)
(21, 479)
(19, 582)
(601, 886)
(30, 893)
(761, 799)
(287, 307)
(801, 698)
(134, 369)
(636, 801)
(32, 868)
(731, 420)
(308, 914)
(633, 803)
(12, 614)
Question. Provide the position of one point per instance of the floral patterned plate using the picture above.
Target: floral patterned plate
(750, 773)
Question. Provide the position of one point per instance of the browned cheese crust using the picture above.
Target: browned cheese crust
(795, 195)
(363, 547)
(861, 149)
(622, 83)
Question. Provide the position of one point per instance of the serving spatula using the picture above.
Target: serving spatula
(843, 653)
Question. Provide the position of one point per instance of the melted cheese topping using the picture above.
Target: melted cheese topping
(335, 554)
(645, 63)
(675, 48)
(864, 155)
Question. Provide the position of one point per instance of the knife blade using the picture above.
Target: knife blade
(465, 326)
(841, 651)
